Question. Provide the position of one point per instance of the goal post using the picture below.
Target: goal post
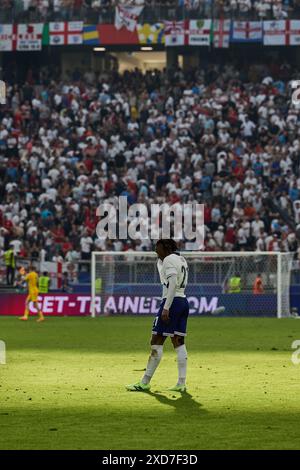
(128, 283)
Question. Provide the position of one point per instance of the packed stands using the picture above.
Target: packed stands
(222, 135)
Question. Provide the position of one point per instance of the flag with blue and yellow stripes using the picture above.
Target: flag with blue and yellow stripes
(91, 34)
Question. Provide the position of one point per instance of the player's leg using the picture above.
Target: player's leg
(159, 335)
(157, 342)
(26, 311)
(178, 341)
(157, 345)
(39, 311)
(180, 348)
(34, 298)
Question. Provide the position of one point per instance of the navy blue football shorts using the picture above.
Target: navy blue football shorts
(178, 316)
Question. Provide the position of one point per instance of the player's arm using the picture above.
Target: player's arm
(172, 280)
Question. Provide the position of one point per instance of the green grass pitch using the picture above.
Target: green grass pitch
(63, 386)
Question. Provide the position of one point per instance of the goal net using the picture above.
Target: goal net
(128, 283)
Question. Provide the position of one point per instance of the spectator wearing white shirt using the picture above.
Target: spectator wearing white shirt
(241, 237)
(219, 237)
(248, 128)
(257, 225)
(16, 244)
(86, 244)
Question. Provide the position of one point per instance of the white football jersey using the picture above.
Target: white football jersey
(173, 264)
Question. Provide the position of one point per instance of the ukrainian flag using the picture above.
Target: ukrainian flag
(91, 35)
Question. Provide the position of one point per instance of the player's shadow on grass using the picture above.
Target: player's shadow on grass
(185, 403)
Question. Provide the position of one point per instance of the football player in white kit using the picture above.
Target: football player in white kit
(172, 316)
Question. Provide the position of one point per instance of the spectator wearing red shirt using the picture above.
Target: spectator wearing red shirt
(230, 238)
(58, 234)
(238, 171)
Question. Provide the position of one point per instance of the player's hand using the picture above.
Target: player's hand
(165, 315)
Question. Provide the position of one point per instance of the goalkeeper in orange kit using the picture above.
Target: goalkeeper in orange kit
(32, 283)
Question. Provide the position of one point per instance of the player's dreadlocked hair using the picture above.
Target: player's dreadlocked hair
(168, 244)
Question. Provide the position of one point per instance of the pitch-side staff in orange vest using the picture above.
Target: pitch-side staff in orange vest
(258, 287)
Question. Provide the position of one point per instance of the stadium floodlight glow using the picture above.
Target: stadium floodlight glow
(99, 49)
(146, 48)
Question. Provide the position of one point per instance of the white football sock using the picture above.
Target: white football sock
(153, 361)
(182, 364)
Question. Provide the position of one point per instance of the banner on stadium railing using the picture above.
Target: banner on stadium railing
(63, 33)
(109, 35)
(29, 37)
(282, 33)
(91, 36)
(151, 33)
(64, 304)
(218, 33)
(21, 37)
(175, 32)
(6, 38)
(221, 33)
(199, 32)
(247, 31)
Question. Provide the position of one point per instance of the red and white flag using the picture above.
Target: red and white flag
(199, 32)
(275, 33)
(29, 37)
(61, 34)
(127, 16)
(21, 37)
(294, 27)
(6, 37)
(247, 31)
(174, 33)
(221, 32)
(282, 33)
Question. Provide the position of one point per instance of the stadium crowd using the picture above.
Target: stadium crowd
(154, 10)
(225, 136)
